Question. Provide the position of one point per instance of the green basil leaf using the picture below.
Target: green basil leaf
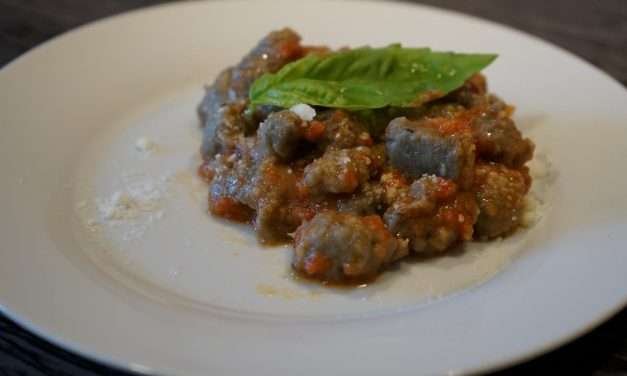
(366, 78)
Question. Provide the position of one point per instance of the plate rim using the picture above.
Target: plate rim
(102, 359)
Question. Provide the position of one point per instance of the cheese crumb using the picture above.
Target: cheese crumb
(144, 145)
(304, 111)
(345, 159)
(120, 206)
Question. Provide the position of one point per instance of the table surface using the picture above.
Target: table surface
(595, 30)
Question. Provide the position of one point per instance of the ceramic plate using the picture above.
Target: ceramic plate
(105, 115)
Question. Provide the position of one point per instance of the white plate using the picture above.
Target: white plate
(175, 291)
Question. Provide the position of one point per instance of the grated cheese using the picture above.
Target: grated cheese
(144, 145)
(132, 209)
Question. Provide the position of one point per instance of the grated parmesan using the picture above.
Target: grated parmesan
(132, 208)
(144, 145)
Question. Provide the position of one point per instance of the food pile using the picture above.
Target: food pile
(361, 156)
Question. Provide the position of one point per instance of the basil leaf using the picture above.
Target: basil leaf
(366, 78)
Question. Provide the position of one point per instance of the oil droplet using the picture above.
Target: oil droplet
(275, 292)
